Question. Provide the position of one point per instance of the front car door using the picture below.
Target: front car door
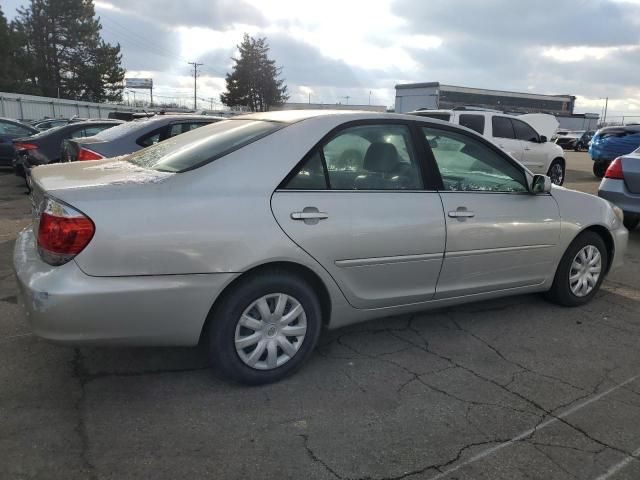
(357, 203)
(503, 134)
(499, 236)
(534, 155)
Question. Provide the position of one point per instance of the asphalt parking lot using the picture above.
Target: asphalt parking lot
(508, 389)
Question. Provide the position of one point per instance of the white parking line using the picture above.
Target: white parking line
(525, 434)
(619, 466)
(11, 337)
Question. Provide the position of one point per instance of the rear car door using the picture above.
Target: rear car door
(360, 204)
(503, 134)
(534, 155)
(499, 236)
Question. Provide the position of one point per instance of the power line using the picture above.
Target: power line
(195, 83)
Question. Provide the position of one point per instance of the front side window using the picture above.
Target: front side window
(468, 165)
(524, 131)
(365, 157)
(502, 127)
(474, 122)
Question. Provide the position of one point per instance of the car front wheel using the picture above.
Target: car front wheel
(556, 172)
(265, 328)
(580, 272)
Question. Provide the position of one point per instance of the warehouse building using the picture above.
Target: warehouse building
(432, 95)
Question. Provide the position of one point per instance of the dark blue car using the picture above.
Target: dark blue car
(610, 143)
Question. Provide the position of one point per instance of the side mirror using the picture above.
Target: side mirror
(540, 184)
(543, 139)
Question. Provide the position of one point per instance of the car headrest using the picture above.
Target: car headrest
(381, 157)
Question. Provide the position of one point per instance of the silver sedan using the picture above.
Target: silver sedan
(253, 233)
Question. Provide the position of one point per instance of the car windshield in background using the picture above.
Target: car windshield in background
(198, 147)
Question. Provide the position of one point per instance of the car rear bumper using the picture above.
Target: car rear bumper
(65, 305)
(617, 193)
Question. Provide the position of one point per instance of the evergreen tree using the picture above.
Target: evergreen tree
(254, 81)
(10, 73)
(63, 53)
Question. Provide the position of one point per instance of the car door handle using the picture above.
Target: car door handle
(309, 215)
(461, 214)
(526, 149)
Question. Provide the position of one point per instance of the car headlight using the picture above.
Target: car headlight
(619, 213)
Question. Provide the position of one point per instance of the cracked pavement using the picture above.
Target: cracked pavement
(507, 389)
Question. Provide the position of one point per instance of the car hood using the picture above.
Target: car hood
(542, 123)
(95, 173)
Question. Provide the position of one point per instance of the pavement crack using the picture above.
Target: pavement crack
(90, 377)
(79, 374)
(316, 459)
(554, 461)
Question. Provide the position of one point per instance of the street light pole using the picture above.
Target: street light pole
(195, 82)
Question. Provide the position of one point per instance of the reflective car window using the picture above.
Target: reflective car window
(372, 157)
(310, 175)
(13, 129)
(150, 138)
(474, 122)
(467, 164)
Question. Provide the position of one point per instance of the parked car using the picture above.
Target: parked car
(254, 232)
(132, 136)
(518, 136)
(612, 142)
(621, 186)
(576, 140)
(10, 130)
(46, 147)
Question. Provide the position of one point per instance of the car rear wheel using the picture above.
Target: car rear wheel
(631, 223)
(556, 172)
(580, 272)
(265, 328)
(599, 168)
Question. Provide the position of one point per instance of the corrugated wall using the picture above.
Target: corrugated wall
(31, 107)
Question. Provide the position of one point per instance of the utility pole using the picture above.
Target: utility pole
(369, 97)
(606, 105)
(195, 82)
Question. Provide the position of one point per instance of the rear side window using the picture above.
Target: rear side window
(474, 122)
(502, 127)
(367, 157)
(150, 138)
(203, 145)
(524, 131)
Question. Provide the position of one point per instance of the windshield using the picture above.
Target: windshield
(203, 145)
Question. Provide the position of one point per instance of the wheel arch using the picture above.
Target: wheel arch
(292, 268)
(606, 236)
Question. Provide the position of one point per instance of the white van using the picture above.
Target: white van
(524, 137)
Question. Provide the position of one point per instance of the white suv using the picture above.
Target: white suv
(514, 135)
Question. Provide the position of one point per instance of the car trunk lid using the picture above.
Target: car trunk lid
(631, 172)
(93, 174)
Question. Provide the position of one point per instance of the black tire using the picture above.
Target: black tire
(560, 291)
(225, 316)
(631, 223)
(554, 178)
(599, 168)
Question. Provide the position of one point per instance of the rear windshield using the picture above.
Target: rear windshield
(122, 129)
(198, 147)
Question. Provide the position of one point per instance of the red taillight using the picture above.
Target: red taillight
(62, 232)
(86, 154)
(615, 170)
(21, 147)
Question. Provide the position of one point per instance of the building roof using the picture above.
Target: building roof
(484, 91)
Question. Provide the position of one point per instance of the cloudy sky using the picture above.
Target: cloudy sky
(331, 49)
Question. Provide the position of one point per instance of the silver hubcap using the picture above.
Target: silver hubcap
(556, 174)
(585, 271)
(270, 331)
